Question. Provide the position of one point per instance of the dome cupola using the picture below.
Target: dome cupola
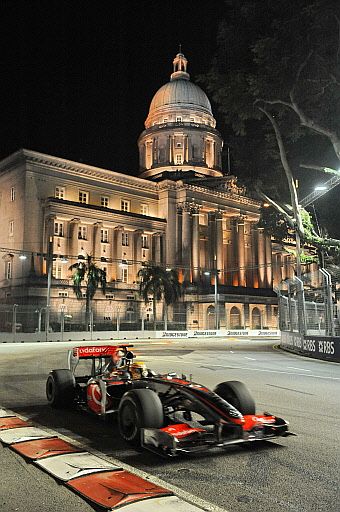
(180, 129)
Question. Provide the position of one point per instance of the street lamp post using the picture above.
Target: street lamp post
(49, 262)
(217, 313)
(215, 273)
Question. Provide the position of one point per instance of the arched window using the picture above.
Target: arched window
(235, 318)
(256, 319)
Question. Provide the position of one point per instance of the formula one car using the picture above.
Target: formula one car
(165, 413)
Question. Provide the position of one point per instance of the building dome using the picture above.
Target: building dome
(180, 134)
(180, 93)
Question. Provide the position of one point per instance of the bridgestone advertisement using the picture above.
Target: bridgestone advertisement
(318, 347)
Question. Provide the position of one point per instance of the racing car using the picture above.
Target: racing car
(164, 413)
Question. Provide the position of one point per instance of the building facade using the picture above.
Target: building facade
(181, 212)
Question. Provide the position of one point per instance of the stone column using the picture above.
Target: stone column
(186, 243)
(156, 246)
(211, 246)
(136, 251)
(72, 238)
(219, 247)
(189, 149)
(269, 263)
(241, 254)
(261, 257)
(195, 243)
(179, 234)
(96, 240)
(233, 254)
(117, 255)
(227, 256)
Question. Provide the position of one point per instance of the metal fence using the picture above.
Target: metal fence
(308, 305)
(69, 317)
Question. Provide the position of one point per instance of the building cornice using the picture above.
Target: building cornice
(107, 211)
(238, 198)
(76, 169)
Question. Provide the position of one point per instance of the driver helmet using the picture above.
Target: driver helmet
(138, 370)
(117, 359)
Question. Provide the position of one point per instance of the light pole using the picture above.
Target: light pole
(49, 262)
(215, 273)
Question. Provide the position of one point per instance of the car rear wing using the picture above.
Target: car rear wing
(98, 350)
(93, 352)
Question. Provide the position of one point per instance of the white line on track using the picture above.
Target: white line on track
(230, 367)
(250, 358)
(301, 369)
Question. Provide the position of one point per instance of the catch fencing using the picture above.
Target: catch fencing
(309, 316)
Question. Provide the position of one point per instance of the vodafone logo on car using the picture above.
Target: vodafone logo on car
(90, 351)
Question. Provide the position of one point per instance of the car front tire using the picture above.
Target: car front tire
(237, 395)
(139, 408)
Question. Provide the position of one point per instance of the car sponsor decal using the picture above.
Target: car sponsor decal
(181, 430)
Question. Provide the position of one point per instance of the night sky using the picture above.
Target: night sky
(77, 77)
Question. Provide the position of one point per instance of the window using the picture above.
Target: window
(8, 270)
(104, 201)
(59, 192)
(12, 194)
(59, 228)
(62, 294)
(178, 119)
(56, 269)
(104, 235)
(82, 232)
(178, 159)
(83, 197)
(125, 239)
(144, 209)
(178, 144)
(124, 274)
(11, 228)
(145, 242)
(165, 120)
(125, 205)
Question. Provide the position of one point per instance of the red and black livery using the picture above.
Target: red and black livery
(165, 413)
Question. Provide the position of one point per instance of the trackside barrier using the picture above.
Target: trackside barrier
(104, 484)
(134, 335)
(326, 348)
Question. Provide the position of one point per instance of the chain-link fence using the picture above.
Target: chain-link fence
(308, 305)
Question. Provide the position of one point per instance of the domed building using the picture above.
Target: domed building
(180, 131)
(181, 212)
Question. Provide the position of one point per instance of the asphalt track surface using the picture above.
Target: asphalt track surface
(298, 474)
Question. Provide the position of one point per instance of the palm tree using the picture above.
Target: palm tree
(159, 283)
(92, 276)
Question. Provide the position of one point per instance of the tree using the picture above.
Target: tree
(276, 80)
(86, 273)
(158, 283)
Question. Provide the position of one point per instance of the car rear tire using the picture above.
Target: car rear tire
(139, 408)
(236, 394)
(60, 388)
